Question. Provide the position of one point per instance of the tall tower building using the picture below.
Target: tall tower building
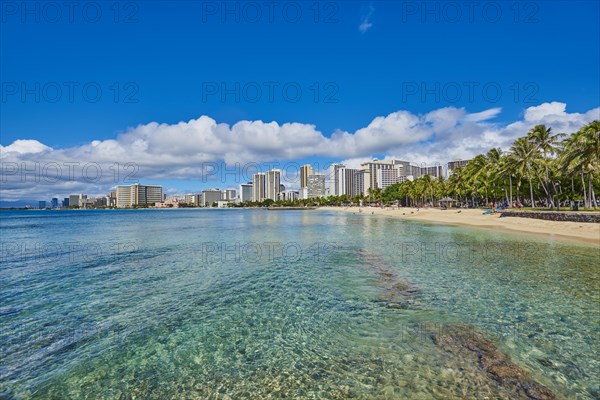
(346, 182)
(305, 171)
(273, 182)
(258, 187)
(338, 179)
(316, 186)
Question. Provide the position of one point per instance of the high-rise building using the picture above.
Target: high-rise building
(337, 179)
(372, 167)
(230, 194)
(406, 170)
(452, 165)
(100, 202)
(210, 197)
(111, 199)
(305, 172)
(138, 195)
(316, 186)
(345, 182)
(402, 179)
(258, 187)
(386, 177)
(193, 199)
(77, 200)
(54, 202)
(288, 195)
(303, 193)
(65, 202)
(41, 204)
(246, 192)
(362, 182)
(434, 172)
(273, 181)
(74, 200)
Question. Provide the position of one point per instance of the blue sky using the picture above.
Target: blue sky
(353, 61)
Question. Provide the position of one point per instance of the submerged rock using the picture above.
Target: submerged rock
(396, 292)
(462, 339)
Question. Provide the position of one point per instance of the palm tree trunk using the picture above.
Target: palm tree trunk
(548, 197)
(585, 198)
(591, 191)
(511, 194)
(548, 186)
(531, 192)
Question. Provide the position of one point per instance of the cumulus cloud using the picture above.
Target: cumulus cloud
(25, 147)
(153, 152)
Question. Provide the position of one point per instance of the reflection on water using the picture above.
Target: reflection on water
(243, 304)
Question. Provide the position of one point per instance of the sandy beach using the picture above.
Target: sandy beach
(570, 231)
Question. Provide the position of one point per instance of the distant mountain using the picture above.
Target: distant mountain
(20, 203)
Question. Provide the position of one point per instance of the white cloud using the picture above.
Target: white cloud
(153, 152)
(365, 22)
(25, 147)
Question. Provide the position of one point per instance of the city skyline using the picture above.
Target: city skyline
(341, 181)
(31, 170)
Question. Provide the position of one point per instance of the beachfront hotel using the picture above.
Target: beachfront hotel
(258, 187)
(273, 184)
(305, 171)
(210, 197)
(246, 192)
(345, 181)
(138, 195)
(377, 174)
(452, 165)
(316, 186)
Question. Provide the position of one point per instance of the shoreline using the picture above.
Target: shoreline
(580, 232)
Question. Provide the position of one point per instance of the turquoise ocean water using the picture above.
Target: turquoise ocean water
(188, 304)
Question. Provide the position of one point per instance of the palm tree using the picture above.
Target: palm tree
(523, 155)
(492, 169)
(474, 174)
(507, 167)
(582, 155)
(546, 144)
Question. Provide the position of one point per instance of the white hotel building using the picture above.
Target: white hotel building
(138, 195)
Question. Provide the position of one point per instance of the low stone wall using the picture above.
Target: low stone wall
(555, 215)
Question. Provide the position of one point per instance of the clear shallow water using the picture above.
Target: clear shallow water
(251, 303)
